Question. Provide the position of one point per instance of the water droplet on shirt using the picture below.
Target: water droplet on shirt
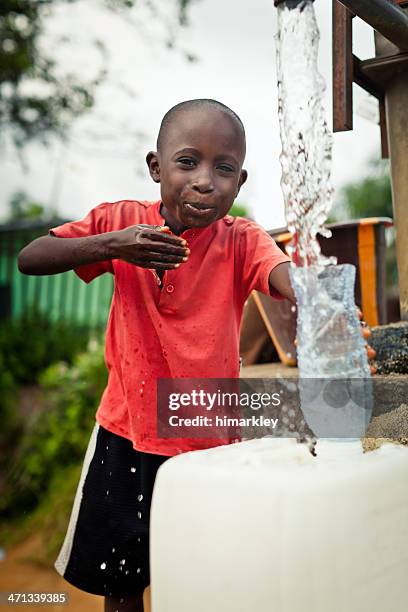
(165, 353)
(139, 515)
(141, 392)
(103, 565)
(133, 469)
(139, 497)
(143, 382)
(122, 561)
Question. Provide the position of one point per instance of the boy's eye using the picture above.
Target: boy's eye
(186, 161)
(226, 168)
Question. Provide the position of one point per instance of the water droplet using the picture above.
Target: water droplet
(141, 392)
(103, 566)
(102, 461)
(138, 570)
(138, 539)
(113, 549)
(293, 308)
(107, 448)
(139, 515)
(107, 492)
(110, 473)
(139, 497)
(133, 469)
(289, 355)
(127, 571)
(121, 600)
(143, 382)
(122, 561)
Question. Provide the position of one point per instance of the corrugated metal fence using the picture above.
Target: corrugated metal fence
(60, 296)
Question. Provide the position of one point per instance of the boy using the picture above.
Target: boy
(183, 269)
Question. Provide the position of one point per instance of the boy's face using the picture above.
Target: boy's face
(199, 166)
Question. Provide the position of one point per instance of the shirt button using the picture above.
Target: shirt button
(170, 288)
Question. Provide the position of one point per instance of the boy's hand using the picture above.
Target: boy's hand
(366, 333)
(149, 246)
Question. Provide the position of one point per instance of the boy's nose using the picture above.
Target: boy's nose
(203, 184)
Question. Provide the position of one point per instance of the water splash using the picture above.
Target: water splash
(329, 341)
(306, 140)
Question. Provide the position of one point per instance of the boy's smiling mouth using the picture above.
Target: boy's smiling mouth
(198, 208)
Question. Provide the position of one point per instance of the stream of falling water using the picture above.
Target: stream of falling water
(330, 344)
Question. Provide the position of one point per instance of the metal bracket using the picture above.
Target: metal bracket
(349, 69)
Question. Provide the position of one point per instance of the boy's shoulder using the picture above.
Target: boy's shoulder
(123, 213)
(241, 224)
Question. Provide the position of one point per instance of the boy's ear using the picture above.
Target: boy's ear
(152, 161)
(242, 179)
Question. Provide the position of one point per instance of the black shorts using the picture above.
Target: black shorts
(106, 548)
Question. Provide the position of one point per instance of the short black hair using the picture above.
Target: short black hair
(198, 103)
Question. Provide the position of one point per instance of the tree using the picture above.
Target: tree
(239, 210)
(371, 197)
(22, 207)
(35, 100)
(368, 197)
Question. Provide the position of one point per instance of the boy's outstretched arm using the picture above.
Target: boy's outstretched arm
(142, 245)
(279, 279)
(52, 255)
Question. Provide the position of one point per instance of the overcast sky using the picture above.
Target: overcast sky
(234, 41)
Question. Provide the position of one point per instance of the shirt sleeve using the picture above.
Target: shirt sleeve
(259, 255)
(97, 221)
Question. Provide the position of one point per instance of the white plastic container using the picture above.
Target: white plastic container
(263, 526)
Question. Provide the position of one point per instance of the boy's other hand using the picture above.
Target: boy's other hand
(149, 246)
(366, 333)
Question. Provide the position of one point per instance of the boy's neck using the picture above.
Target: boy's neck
(175, 226)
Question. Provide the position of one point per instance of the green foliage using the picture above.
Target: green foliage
(49, 519)
(31, 343)
(21, 206)
(239, 210)
(371, 197)
(59, 436)
(36, 99)
(368, 197)
(10, 420)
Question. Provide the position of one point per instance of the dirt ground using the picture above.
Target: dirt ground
(19, 573)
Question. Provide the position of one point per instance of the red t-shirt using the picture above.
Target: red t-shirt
(188, 329)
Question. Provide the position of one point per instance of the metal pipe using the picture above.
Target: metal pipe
(291, 4)
(385, 17)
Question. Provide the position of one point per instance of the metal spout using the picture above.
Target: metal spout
(291, 4)
(385, 17)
